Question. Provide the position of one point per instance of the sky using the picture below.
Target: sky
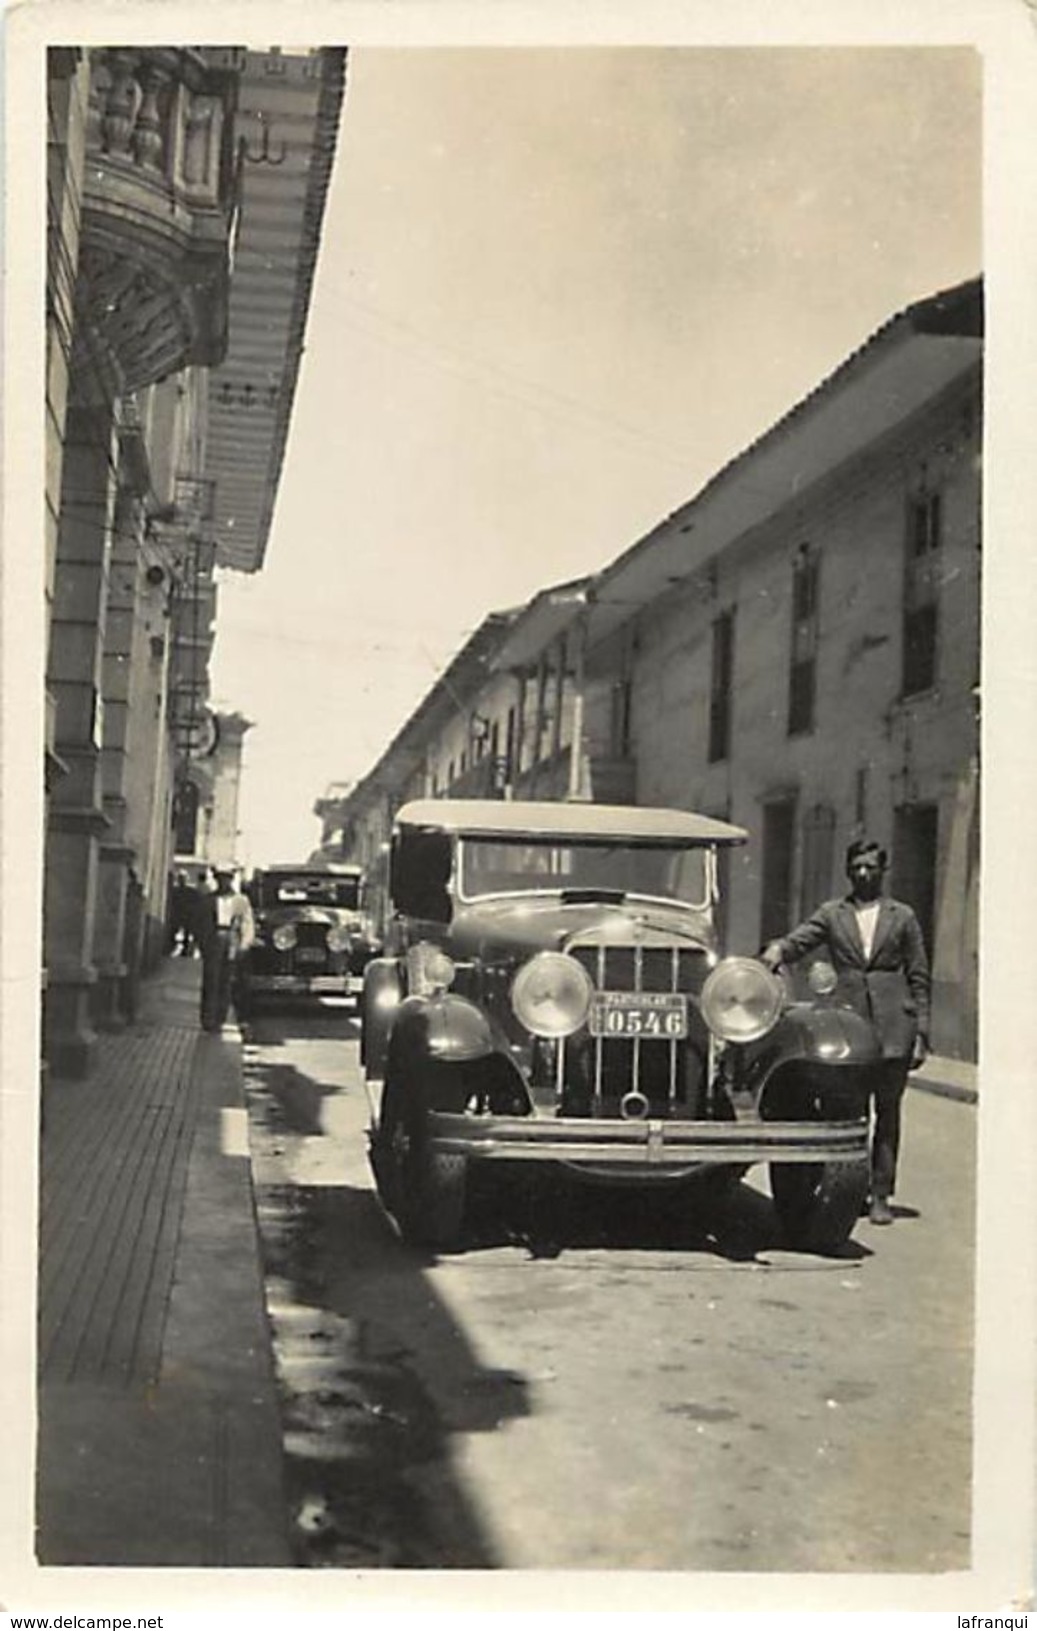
(557, 290)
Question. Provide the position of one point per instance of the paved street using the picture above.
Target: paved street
(655, 382)
(597, 1382)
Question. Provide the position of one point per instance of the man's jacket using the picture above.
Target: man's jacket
(891, 987)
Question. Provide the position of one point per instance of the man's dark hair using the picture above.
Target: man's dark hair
(865, 846)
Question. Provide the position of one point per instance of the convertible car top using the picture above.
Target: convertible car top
(501, 818)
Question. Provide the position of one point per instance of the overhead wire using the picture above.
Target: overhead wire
(557, 404)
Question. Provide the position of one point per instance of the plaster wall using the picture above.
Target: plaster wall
(871, 750)
(66, 148)
(222, 839)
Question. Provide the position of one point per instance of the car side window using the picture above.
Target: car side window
(421, 866)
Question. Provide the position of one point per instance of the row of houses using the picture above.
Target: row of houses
(795, 649)
(185, 195)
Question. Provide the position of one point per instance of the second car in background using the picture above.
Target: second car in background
(313, 938)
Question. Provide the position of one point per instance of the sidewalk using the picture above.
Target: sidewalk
(950, 1078)
(159, 1434)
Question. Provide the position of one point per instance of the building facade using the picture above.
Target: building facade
(444, 747)
(811, 667)
(796, 650)
(150, 191)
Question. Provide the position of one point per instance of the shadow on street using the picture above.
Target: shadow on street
(549, 1214)
(282, 1021)
(374, 1371)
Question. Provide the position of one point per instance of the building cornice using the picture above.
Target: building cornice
(912, 360)
(287, 157)
(329, 108)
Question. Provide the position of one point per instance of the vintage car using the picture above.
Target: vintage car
(313, 938)
(557, 995)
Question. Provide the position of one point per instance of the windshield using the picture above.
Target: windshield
(300, 890)
(508, 866)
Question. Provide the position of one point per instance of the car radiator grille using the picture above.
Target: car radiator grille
(311, 934)
(596, 1073)
(309, 955)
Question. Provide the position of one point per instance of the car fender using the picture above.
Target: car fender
(817, 1060)
(445, 1053)
(445, 1027)
(382, 996)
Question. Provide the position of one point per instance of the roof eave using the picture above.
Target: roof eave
(944, 332)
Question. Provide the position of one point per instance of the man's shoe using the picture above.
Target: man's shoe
(879, 1211)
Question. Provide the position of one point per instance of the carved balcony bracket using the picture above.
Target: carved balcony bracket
(159, 209)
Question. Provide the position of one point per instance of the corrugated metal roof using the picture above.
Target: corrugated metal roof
(953, 313)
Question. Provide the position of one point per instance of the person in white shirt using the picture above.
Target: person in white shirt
(876, 947)
(226, 928)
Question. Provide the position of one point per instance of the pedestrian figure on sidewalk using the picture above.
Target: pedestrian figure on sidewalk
(183, 908)
(225, 929)
(876, 948)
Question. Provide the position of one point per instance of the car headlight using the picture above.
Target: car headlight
(551, 994)
(741, 1000)
(822, 979)
(284, 936)
(338, 937)
(429, 970)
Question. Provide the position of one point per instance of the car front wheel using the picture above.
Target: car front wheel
(818, 1203)
(422, 1188)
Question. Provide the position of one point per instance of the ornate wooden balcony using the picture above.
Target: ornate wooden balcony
(159, 208)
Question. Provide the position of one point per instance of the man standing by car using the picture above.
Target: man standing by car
(225, 929)
(876, 948)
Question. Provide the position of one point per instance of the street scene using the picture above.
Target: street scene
(507, 1008)
(555, 1397)
(600, 1379)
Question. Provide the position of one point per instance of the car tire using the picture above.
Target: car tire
(818, 1203)
(424, 1190)
(432, 1212)
(720, 1183)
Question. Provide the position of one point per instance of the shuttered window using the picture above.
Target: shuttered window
(803, 648)
(921, 622)
(721, 678)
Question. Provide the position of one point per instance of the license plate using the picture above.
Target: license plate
(655, 1016)
(309, 954)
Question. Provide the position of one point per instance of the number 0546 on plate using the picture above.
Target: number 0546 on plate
(650, 1014)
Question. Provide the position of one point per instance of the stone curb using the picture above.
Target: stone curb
(943, 1089)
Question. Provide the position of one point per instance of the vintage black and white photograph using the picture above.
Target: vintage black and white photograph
(510, 1086)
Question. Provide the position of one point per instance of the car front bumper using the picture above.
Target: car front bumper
(306, 985)
(649, 1147)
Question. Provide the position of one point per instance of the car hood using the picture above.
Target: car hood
(520, 927)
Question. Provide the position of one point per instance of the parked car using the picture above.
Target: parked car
(313, 938)
(556, 994)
